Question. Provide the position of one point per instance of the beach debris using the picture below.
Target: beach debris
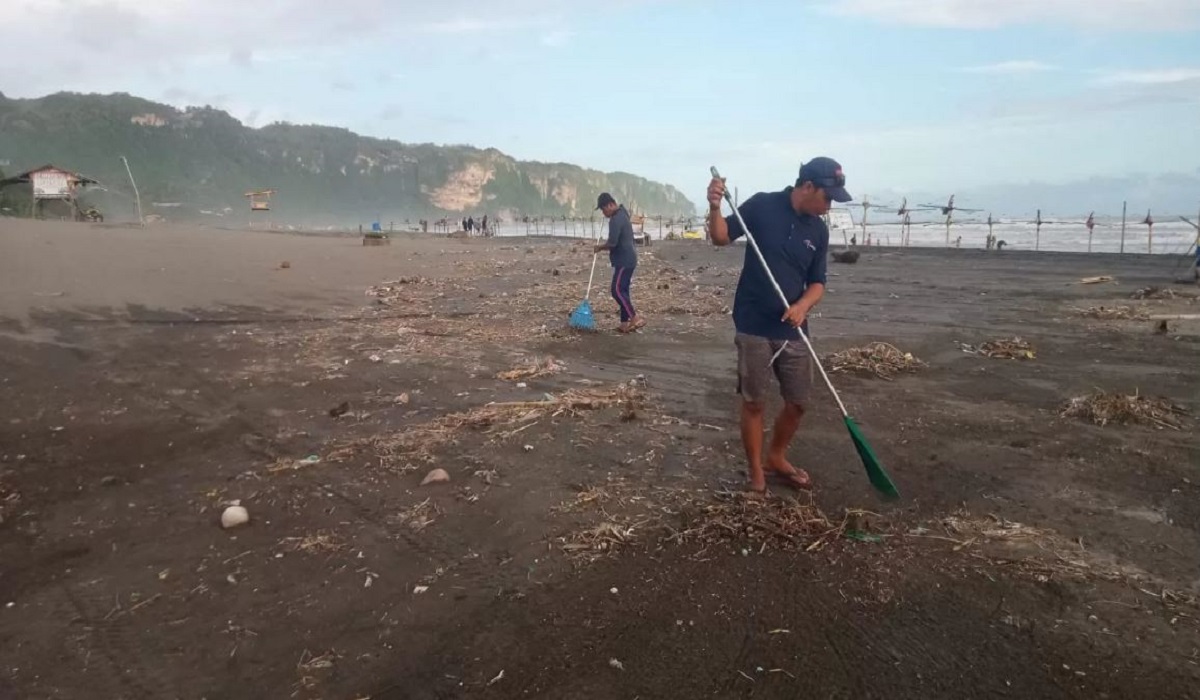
(1096, 280)
(417, 517)
(1153, 292)
(339, 410)
(880, 359)
(234, 516)
(282, 465)
(436, 476)
(1112, 313)
(702, 518)
(318, 543)
(601, 539)
(615, 663)
(845, 256)
(497, 679)
(499, 421)
(1014, 348)
(285, 265)
(1103, 408)
(536, 368)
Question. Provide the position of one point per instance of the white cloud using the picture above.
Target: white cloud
(1177, 15)
(112, 40)
(1009, 68)
(557, 38)
(1161, 76)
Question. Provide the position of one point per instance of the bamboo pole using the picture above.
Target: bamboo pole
(1124, 208)
(136, 194)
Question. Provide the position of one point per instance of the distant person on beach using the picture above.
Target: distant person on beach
(794, 239)
(623, 258)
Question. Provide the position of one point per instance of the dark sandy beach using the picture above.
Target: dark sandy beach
(590, 542)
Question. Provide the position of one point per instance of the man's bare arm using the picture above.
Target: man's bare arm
(718, 230)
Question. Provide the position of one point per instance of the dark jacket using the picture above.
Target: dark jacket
(621, 252)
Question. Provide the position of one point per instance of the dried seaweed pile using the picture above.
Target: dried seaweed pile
(698, 518)
(684, 298)
(405, 290)
(1112, 313)
(318, 543)
(539, 367)
(782, 523)
(1162, 293)
(406, 449)
(880, 359)
(1103, 408)
(1041, 551)
(1003, 349)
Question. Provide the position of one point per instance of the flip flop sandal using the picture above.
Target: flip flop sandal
(796, 480)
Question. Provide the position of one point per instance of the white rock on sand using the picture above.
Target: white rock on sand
(437, 476)
(234, 516)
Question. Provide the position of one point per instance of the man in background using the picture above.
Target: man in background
(623, 258)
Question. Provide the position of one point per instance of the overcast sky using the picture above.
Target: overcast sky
(932, 95)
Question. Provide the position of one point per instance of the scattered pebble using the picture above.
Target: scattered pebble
(437, 476)
(109, 481)
(234, 516)
(615, 663)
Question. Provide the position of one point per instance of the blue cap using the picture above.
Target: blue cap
(825, 173)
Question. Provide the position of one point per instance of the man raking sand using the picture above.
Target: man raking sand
(623, 258)
(794, 240)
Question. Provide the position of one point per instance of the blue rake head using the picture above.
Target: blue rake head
(582, 317)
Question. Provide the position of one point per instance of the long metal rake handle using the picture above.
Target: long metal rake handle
(782, 297)
(595, 254)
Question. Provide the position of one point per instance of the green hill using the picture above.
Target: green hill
(202, 160)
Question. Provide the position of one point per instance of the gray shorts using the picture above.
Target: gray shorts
(793, 369)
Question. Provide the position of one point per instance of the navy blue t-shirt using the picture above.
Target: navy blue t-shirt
(796, 248)
(621, 252)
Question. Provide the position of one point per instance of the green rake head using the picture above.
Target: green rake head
(875, 471)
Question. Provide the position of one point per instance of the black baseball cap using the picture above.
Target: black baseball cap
(604, 199)
(825, 173)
